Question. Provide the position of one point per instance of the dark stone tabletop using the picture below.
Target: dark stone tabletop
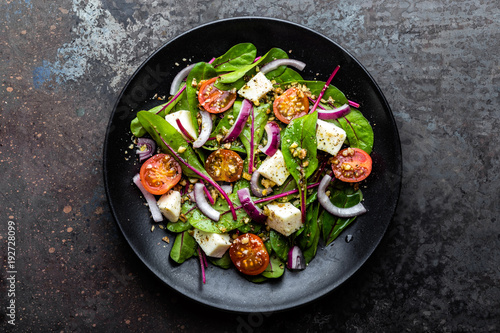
(62, 67)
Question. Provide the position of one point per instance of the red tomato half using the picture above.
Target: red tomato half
(213, 99)
(293, 103)
(160, 173)
(352, 165)
(249, 254)
(224, 165)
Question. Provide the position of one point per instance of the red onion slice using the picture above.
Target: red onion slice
(334, 113)
(146, 148)
(181, 76)
(324, 200)
(296, 258)
(273, 139)
(272, 65)
(203, 204)
(257, 190)
(150, 199)
(254, 212)
(235, 130)
(206, 129)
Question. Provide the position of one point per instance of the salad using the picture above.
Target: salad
(250, 165)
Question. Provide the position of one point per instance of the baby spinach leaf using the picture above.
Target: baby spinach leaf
(302, 132)
(184, 247)
(251, 227)
(200, 71)
(344, 196)
(178, 226)
(238, 73)
(224, 262)
(279, 245)
(275, 269)
(135, 125)
(260, 119)
(160, 129)
(358, 129)
(237, 56)
(308, 240)
(226, 222)
(288, 75)
(223, 126)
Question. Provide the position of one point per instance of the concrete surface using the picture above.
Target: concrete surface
(62, 66)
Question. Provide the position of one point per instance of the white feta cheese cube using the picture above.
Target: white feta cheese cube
(214, 245)
(285, 218)
(170, 205)
(256, 88)
(330, 137)
(274, 168)
(185, 119)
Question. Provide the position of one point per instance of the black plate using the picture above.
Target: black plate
(226, 289)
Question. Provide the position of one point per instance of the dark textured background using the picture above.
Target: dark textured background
(62, 66)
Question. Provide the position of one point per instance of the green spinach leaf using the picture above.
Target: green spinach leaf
(226, 222)
(260, 119)
(160, 130)
(135, 125)
(275, 269)
(308, 240)
(200, 71)
(279, 244)
(224, 262)
(343, 196)
(301, 134)
(239, 73)
(184, 247)
(237, 56)
(358, 130)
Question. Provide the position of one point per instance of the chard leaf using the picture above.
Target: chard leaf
(159, 128)
(358, 129)
(237, 56)
(301, 131)
(184, 247)
(343, 196)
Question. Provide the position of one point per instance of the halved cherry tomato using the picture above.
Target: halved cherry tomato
(224, 165)
(293, 103)
(249, 254)
(160, 173)
(213, 99)
(352, 165)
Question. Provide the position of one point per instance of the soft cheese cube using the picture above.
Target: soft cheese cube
(285, 218)
(274, 168)
(256, 88)
(170, 205)
(185, 119)
(214, 245)
(330, 137)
